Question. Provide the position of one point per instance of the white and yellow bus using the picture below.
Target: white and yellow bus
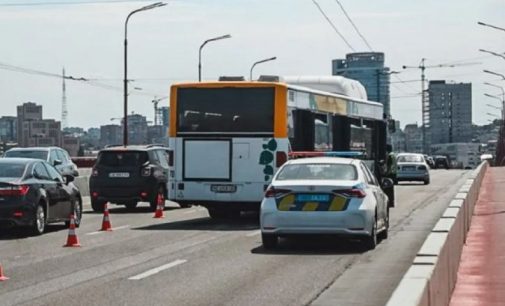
(229, 138)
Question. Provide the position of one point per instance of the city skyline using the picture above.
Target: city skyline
(86, 39)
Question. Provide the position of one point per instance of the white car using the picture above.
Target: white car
(325, 195)
(412, 167)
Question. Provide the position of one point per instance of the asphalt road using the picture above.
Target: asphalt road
(189, 259)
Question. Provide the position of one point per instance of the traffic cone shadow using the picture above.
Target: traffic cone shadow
(158, 214)
(106, 226)
(72, 240)
(2, 276)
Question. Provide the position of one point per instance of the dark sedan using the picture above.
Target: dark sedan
(33, 194)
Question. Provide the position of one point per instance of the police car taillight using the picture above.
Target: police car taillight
(273, 192)
(352, 193)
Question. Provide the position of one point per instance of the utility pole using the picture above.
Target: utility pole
(64, 111)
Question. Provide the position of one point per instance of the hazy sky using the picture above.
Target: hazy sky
(87, 39)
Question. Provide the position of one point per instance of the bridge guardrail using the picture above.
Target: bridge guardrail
(431, 278)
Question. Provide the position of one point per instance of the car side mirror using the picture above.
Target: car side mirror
(69, 178)
(57, 162)
(387, 183)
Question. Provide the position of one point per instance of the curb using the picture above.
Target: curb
(432, 276)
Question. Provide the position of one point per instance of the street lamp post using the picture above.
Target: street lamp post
(260, 62)
(200, 53)
(125, 80)
(495, 73)
(492, 53)
(489, 25)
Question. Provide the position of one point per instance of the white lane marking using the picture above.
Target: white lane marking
(255, 233)
(114, 229)
(190, 211)
(158, 269)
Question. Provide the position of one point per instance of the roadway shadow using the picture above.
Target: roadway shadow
(15, 233)
(242, 223)
(121, 209)
(313, 245)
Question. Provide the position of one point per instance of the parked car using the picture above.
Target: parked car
(442, 162)
(33, 194)
(325, 195)
(55, 156)
(128, 175)
(412, 167)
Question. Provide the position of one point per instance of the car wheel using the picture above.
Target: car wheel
(39, 223)
(370, 242)
(217, 213)
(77, 214)
(269, 241)
(427, 182)
(154, 200)
(131, 205)
(97, 206)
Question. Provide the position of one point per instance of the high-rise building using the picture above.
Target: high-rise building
(8, 129)
(28, 111)
(137, 129)
(450, 112)
(367, 68)
(413, 138)
(111, 134)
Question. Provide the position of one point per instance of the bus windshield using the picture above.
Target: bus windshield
(225, 110)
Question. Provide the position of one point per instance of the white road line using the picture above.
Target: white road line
(114, 229)
(158, 269)
(255, 233)
(190, 211)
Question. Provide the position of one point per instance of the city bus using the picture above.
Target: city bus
(230, 137)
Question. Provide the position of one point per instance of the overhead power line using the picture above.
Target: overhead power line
(14, 4)
(333, 25)
(354, 25)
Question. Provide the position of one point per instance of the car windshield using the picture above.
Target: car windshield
(119, 158)
(317, 172)
(14, 170)
(37, 154)
(410, 159)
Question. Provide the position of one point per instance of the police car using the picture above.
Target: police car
(325, 195)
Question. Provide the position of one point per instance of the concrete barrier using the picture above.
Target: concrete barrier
(432, 276)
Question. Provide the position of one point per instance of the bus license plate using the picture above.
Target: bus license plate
(312, 197)
(223, 188)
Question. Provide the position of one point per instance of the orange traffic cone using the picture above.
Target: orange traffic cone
(159, 207)
(2, 276)
(72, 240)
(106, 226)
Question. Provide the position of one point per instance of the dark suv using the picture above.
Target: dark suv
(442, 162)
(128, 175)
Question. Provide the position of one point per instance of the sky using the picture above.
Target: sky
(86, 37)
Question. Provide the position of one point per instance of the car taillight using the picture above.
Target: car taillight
(273, 193)
(280, 158)
(145, 171)
(352, 193)
(421, 168)
(14, 191)
(94, 172)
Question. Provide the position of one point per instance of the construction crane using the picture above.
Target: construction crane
(425, 102)
(157, 115)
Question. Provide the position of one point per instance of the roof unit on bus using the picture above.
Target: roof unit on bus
(269, 78)
(231, 78)
(334, 84)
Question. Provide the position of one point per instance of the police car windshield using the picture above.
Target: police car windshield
(318, 171)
